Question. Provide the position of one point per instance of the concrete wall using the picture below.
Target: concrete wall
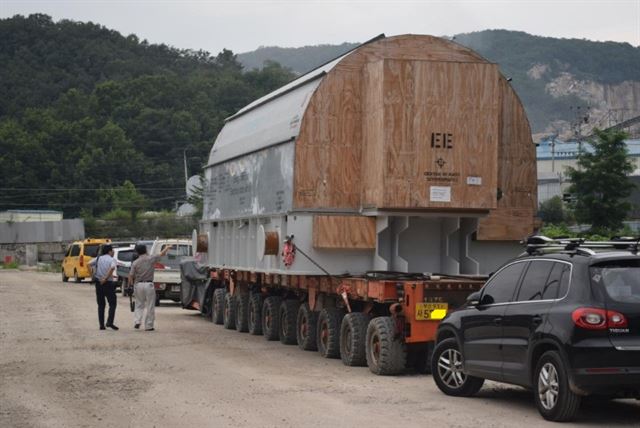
(31, 254)
(41, 231)
(38, 241)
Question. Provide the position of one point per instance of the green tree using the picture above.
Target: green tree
(127, 198)
(552, 211)
(601, 183)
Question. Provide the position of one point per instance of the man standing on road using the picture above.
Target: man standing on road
(102, 268)
(141, 275)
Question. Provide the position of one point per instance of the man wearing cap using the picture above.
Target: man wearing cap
(102, 268)
(141, 275)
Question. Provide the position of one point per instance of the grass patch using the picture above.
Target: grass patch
(10, 265)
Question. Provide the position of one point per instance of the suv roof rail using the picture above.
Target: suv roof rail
(539, 244)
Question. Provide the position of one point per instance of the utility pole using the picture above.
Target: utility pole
(186, 176)
(553, 153)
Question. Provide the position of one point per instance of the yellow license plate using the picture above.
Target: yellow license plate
(431, 311)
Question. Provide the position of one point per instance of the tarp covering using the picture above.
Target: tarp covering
(195, 280)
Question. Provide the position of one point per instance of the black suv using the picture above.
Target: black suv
(563, 319)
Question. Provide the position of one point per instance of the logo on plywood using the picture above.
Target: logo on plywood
(441, 140)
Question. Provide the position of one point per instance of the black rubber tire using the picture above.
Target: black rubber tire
(217, 306)
(307, 328)
(287, 325)
(353, 334)
(255, 314)
(270, 318)
(242, 312)
(567, 403)
(328, 332)
(229, 318)
(65, 278)
(469, 386)
(123, 286)
(157, 299)
(76, 278)
(386, 354)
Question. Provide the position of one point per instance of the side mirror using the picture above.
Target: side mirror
(473, 299)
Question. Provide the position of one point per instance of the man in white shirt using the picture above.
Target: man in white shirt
(102, 268)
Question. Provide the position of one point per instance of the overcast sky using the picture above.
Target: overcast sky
(245, 25)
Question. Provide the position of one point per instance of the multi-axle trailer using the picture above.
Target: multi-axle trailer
(406, 154)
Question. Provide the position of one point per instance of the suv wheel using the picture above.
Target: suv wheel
(554, 399)
(65, 278)
(76, 277)
(446, 369)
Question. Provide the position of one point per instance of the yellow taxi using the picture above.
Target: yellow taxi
(78, 256)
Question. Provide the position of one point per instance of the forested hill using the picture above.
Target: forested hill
(552, 76)
(83, 107)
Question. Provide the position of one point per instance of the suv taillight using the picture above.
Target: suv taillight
(159, 266)
(598, 319)
(81, 260)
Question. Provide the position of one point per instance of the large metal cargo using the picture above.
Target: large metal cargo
(408, 153)
(351, 209)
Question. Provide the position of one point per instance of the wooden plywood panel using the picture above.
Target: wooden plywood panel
(328, 153)
(514, 217)
(318, 181)
(441, 130)
(506, 224)
(344, 232)
(372, 134)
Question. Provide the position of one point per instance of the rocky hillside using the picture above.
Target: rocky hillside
(562, 82)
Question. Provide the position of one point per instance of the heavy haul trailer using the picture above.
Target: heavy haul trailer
(406, 154)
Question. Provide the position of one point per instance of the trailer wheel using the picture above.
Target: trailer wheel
(242, 309)
(229, 318)
(270, 319)
(306, 328)
(328, 333)
(353, 333)
(386, 354)
(217, 305)
(288, 318)
(255, 314)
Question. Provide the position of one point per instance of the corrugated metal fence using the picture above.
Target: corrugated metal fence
(41, 231)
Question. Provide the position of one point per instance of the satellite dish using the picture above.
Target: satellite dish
(194, 182)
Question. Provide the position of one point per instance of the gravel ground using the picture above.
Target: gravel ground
(58, 370)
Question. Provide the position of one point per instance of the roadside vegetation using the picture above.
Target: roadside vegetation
(600, 186)
(93, 121)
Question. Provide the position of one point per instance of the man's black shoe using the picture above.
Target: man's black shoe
(136, 326)
(102, 327)
(149, 329)
(113, 327)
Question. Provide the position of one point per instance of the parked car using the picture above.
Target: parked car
(123, 256)
(167, 270)
(122, 270)
(78, 256)
(563, 320)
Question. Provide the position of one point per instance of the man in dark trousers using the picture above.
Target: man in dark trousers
(102, 268)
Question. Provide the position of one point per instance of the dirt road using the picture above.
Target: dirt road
(58, 370)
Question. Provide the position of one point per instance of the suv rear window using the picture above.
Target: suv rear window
(620, 279)
(91, 250)
(174, 256)
(75, 251)
(125, 256)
